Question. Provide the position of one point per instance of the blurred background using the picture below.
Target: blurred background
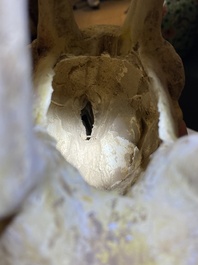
(179, 27)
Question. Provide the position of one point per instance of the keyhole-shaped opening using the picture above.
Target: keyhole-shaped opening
(87, 119)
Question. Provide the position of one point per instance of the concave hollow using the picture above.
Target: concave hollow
(95, 116)
(87, 119)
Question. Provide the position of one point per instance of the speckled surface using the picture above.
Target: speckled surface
(66, 222)
(180, 22)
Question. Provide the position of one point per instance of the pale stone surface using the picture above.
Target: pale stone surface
(66, 222)
(61, 219)
(113, 151)
(126, 76)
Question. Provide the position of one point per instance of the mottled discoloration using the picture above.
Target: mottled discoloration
(109, 78)
(57, 217)
(117, 132)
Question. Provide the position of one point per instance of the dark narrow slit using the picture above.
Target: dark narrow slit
(87, 119)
